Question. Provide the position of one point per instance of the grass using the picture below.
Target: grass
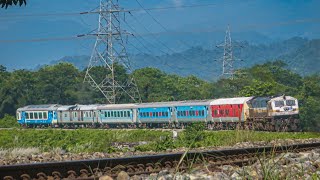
(90, 140)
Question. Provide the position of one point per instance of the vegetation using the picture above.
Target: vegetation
(90, 140)
(6, 3)
(63, 84)
(8, 122)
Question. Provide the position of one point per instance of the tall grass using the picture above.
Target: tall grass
(90, 140)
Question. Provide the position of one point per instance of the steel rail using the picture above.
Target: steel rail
(90, 169)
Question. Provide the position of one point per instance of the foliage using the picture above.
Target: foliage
(8, 122)
(63, 83)
(6, 3)
(90, 140)
(194, 133)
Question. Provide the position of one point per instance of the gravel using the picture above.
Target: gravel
(34, 155)
(303, 165)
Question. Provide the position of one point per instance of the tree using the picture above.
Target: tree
(6, 3)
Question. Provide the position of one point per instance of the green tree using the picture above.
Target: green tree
(16, 91)
(56, 84)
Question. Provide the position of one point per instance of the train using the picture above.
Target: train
(279, 113)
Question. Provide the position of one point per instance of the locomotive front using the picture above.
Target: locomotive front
(283, 107)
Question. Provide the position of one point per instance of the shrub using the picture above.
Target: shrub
(8, 122)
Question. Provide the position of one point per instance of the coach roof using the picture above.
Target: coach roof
(223, 101)
(43, 107)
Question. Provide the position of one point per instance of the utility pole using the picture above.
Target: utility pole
(109, 50)
(228, 58)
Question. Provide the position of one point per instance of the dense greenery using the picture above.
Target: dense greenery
(90, 140)
(63, 84)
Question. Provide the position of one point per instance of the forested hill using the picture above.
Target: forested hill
(301, 55)
(63, 84)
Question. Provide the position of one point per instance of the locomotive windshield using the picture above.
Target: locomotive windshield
(290, 102)
(279, 103)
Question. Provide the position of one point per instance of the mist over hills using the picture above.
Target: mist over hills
(301, 55)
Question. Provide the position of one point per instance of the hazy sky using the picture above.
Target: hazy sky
(276, 19)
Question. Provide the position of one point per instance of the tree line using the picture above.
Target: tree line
(63, 84)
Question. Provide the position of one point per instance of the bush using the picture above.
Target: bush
(8, 122)
(194, 133)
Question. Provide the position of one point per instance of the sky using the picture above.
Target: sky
(268, 19)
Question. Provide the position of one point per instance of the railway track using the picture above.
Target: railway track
(137, 165)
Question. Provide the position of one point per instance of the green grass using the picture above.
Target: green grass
(91, 140)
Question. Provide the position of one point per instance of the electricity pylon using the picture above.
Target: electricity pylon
(109, 50)
(228, 57)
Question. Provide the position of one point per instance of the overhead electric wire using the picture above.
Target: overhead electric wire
(95, 12)
(38, 39)
(248, 27)
(162, 26)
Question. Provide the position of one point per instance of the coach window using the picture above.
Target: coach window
(121, 113)
(65, 115)
(128, 112)
(27, 115)
(45, 115)
(125, 114)
(227, 112)
(221, 112)
(40, 115)
(35, 115)
(31, 115)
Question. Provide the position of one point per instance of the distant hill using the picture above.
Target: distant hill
(301, 55)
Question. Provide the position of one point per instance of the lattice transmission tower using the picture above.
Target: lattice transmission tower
(109, 50)
(228, 58)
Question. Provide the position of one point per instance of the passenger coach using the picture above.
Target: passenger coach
(37, 115)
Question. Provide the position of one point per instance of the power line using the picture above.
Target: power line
(247, 27)
(96, 12)
(39, 39)
(162, 26)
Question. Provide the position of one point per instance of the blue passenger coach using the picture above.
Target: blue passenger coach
(192, 111)
(155, 113)
(37, 115)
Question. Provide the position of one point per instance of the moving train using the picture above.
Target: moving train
(264, 113)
